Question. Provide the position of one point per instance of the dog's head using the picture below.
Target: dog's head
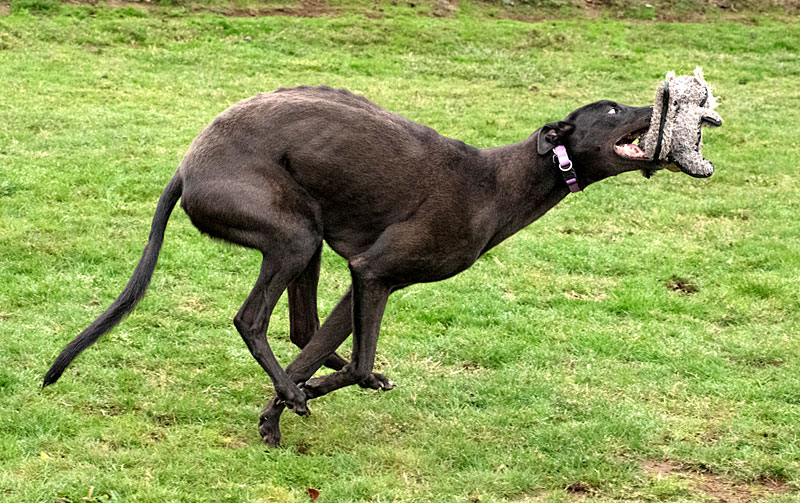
(600, 139)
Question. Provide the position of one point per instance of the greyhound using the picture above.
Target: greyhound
(282, 172)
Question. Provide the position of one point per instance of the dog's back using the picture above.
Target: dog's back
(360, 162)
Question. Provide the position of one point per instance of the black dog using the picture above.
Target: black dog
(284, 171)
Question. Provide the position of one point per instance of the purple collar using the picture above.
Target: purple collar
(561, 159)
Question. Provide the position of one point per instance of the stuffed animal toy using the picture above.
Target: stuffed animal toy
(682, 106)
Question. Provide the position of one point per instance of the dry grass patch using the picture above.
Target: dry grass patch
(304, 8)
(716, 487)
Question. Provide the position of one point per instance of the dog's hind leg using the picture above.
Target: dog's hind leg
(252, 322)
(271, 214)
(331, 334)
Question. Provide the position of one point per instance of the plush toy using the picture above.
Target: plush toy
(682, 106)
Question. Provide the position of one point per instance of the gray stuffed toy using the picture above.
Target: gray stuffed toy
(682, 106)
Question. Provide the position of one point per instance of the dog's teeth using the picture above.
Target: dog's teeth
(629, 150)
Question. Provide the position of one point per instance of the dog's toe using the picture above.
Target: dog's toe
(377, 381)
(302, 410)
(299, 407)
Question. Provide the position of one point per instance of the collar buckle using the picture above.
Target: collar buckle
(564, 163)
(564, 168)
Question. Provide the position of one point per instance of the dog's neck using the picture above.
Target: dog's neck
(528, 185)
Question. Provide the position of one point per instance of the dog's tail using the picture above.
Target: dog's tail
(134, 290)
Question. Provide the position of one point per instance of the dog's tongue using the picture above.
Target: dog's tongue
(630, 150)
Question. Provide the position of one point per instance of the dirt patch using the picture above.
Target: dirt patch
(234, 443)
(681, 285)
(529, 14)
(302, 447)
(5, 9)
(164, 420)
(590, 9)
(306, 8)
(444, 8)
(117, 4)
(579, 490)
(718, 488)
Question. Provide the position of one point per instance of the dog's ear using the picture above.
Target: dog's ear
(552, 134)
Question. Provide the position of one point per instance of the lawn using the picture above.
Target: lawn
(638, 343)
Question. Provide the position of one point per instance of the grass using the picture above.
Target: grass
(640, 322)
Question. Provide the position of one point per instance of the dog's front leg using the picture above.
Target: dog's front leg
(336, 328)
(325, 341)
(303, 315)
(369, 297)
(304, 322)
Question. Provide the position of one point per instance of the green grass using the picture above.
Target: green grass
(552, 370)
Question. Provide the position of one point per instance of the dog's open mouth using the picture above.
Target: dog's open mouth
(628, 146)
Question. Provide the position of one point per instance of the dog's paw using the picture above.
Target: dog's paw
(377, 381)
(296, 400)
(269, 422)
(270, 432)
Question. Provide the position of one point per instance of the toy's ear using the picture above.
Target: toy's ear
(698, 74)
(553, 134)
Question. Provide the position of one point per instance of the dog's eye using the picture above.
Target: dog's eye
(612, 111)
